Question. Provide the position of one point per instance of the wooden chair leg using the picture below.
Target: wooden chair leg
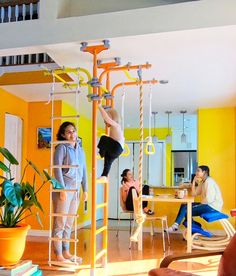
(163, 235)
(118, 226)
(152, 229)
(167, 233)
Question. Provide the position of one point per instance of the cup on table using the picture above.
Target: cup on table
(180, 194)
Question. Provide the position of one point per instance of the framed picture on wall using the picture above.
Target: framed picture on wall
(44, 137)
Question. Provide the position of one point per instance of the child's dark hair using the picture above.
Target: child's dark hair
(124, 175)
(61, 130)
(205, 169)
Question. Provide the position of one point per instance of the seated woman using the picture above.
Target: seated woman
(211, 198)
(128, 183)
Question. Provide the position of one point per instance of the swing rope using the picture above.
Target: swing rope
(126, 147)
(140, 217)
(149, 147)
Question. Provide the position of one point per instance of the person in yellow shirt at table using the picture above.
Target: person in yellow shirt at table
(211, 198)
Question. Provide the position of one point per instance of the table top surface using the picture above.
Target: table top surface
(167, 198)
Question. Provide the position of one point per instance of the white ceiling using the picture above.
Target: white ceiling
(199, 64)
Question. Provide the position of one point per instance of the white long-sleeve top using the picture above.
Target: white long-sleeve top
(210, 194)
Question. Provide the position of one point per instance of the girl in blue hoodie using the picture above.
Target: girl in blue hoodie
(68, 153)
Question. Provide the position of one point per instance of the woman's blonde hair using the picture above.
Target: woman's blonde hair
(114, 115)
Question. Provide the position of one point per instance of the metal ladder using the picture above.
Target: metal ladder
(52, 214)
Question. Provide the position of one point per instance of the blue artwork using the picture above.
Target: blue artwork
(44, 137)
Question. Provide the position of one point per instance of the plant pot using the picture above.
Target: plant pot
(12, 244)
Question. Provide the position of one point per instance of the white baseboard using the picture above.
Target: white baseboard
(45, 233)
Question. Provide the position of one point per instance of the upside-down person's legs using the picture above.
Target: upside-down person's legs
(113, 150)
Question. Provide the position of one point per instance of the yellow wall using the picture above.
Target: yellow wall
(217, 149)
(39, 116)
(84, 132)
(15, 106)
(133, 134)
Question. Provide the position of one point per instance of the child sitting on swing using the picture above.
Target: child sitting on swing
(111, 146)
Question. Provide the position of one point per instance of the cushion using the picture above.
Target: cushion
(196, 228)
(213, 216)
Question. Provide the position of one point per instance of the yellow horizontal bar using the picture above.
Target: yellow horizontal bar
(100, 230)
(101, 205)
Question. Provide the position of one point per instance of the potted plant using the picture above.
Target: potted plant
(16, 202)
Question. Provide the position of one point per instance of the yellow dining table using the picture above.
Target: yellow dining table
(171, 198)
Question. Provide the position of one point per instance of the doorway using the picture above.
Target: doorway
(13, 142)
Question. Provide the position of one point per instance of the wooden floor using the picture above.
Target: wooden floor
(121, 260)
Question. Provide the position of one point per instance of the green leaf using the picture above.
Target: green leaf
(12, 192)
(33, 197)
(6, 153)
(55, 183)
(27, 204)
(4, 167)
(35, 168)
(47, 175)
(2, 200)
(39, 220)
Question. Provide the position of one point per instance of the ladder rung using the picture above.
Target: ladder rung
(65, 117)
(99, 230)
(64, 93)
(64, 190)
(102, 205)
(63, 239)
(100, 254)
(64, 166)
(64, 215)
(64, 264)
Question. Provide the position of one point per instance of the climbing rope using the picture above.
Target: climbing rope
(149, 147)
(126, 151)
(140, 164)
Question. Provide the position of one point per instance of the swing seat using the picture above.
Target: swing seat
(149, 148)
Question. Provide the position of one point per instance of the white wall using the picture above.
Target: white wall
(183, 16)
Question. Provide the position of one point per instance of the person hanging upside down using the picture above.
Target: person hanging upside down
(111, 146)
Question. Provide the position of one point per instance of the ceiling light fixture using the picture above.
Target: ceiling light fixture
(168, 136)
(183, 136)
